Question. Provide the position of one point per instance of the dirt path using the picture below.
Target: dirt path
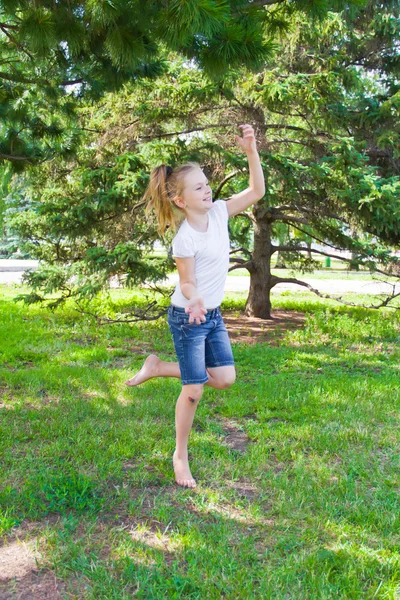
(252, 330)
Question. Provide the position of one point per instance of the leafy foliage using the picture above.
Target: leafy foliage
(325, 108)
(54, 54)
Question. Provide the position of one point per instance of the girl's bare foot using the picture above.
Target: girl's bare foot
(148, 371)
(183, 475)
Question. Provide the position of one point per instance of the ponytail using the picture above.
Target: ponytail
(165, 184)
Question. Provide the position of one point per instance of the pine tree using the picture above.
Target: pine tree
(53, 54)
(327, 131)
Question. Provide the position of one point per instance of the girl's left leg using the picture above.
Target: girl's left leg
(154, 367)
(218, 377)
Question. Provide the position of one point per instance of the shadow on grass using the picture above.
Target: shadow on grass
(167, 543)
(94, 457)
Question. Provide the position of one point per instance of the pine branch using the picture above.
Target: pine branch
(13, 157)
(139, 315)
(20, 79)
(305, 249)
(290, 207)
(296, 128)
(243, 265)
(266, 2)
(163, 135)
(234, 99)
(385, 301)
(311, 235)
(7, 26)
(223, 182)
(289, 219)
(92, 130)
(329, 215)
(240, 250)
(160, 290)
(286, 140)
(239, 260)
(276, 280)
(15, 42)
(286, 115)
(283, 126)
(264, 128)
(72, 82)
(358, 59)
(10, 61)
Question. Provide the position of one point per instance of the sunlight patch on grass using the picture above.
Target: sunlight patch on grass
(297, 463)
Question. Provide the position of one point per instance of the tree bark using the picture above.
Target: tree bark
(261, 281)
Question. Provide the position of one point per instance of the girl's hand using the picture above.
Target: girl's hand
(248, 141)
(196, 310)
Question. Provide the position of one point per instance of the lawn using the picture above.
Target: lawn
(297, 464)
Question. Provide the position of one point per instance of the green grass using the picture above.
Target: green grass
(309, 508)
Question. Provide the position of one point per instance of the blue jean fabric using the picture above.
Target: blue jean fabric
(199, 346)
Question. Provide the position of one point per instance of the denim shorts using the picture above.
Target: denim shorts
(199, 346)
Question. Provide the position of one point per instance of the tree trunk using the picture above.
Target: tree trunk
(353, 264)
(258, 301)
(280, 261)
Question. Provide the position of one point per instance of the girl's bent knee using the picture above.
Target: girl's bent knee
(227, 380)
(230, 380)
(224, 377)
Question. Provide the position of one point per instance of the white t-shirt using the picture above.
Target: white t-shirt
(211, 252)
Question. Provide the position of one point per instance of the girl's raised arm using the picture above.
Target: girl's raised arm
(256, 190)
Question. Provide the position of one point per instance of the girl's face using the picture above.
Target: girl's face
(196, 196)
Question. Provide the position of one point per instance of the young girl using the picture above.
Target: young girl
(201, 252)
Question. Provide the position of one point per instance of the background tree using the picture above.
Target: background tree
(330, 161)
(53, 54)
(336, 168)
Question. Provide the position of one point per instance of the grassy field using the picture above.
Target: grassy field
(297, 464)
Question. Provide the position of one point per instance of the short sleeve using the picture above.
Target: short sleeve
(222, 208)
(182, 247)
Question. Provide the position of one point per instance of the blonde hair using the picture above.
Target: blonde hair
(165, 184)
